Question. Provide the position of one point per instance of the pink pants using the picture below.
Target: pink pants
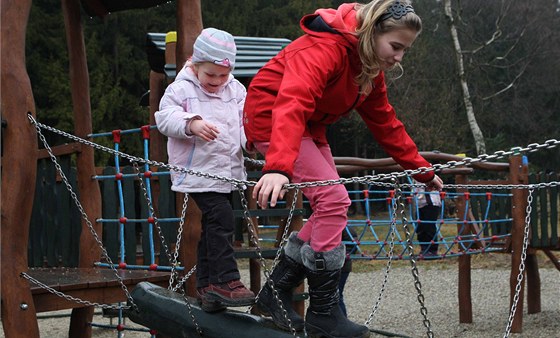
(330, 203)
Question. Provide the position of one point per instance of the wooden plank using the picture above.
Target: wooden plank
(61, 150)
(251, 252)
(94, 285)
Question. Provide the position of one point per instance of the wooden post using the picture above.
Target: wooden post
(189, 240)
(189, 25)
(464, 263)
(90, 196)
(157, 142)
(19, 171)
(518, 175)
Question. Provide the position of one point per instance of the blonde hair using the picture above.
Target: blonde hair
(369, 24)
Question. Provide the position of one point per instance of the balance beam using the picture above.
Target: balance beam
(166, 311)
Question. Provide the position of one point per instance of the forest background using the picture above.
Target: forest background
(510, 51)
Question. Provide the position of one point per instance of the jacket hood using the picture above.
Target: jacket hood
(340, 21)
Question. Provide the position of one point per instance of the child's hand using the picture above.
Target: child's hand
(204, 130)
(270, 185)
(435, 184)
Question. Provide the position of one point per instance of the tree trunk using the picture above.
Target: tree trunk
(475, 129)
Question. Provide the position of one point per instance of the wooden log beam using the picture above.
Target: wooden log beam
(90, 196)
(189, 26)
(18, 171)
(464, 263)
(166, 311)
(518, 175)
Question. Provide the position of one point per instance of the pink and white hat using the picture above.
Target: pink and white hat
(214, 45)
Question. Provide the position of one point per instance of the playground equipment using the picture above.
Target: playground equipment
(469, 239)
(19, 303)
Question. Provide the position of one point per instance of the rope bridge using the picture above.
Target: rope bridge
(480, 226)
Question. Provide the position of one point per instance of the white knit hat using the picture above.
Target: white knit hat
(214, 45)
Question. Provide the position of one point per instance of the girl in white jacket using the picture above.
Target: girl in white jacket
(201, 113)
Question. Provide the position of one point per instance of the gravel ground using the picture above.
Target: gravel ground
(399, 310)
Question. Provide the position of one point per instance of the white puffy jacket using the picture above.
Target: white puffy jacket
(185, 99)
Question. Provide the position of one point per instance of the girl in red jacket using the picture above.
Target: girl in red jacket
(333, 69)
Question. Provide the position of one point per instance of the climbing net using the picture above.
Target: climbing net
(391, 238)
(454, 235)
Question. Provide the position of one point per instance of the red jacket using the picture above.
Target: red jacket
(311, 84)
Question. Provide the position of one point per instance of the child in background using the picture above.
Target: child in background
(201, 113)
(429, 210)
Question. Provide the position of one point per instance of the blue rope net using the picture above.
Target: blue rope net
(482, 225)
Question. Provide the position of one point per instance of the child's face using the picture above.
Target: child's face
(391, 46)
(211, 76)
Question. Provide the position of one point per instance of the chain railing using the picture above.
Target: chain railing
(371, 179)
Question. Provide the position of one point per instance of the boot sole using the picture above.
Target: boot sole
(212, 296)
(265, 311)
(211, 307)
(314, 332)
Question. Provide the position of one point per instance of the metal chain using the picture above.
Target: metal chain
(85, 217)
(71, 298)
(135, 158)
(152, 210)
(389, 262)
(254, 240)
(184, 279)
(520, 276)
(175, 261)
(413, 265)
(549, 144)
(365, 180)
(191, 313)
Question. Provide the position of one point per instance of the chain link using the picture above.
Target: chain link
(413, 265)
(191, 313)
(175, 261)
(266, 271)
(85, 217)
(369, 179)
(521, 275)
(152, 210)
(392, 231)
(71, 298)
(131, 158)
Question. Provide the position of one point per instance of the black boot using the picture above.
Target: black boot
(324, 316)
(287, 275)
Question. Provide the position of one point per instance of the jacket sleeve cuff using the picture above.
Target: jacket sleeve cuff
(425, 177)
(277, 172)
(188, 124)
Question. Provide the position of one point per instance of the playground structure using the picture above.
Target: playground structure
(20, 304)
